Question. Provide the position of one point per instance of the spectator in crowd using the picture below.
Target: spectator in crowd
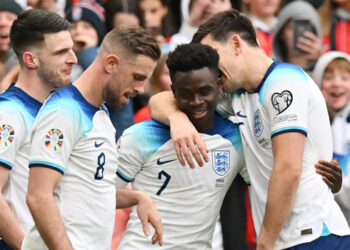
(121, 12)
(302, 50)
(332, 74)
(263, 16)
(87, 30)
(198, 12)
(9, 10)
(335, 20)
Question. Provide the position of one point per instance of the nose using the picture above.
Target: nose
(196, 100)
(147, 17)
(140, 89)
(72, 59)
(4, 21)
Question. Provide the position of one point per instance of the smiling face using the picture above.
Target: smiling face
(6, 20)
(196, 94)
(127, 80)
(56, 59)
(336, 87)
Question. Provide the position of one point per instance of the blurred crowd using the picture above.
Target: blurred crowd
(313, 34)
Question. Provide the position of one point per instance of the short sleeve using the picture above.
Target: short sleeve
(130, 159)
(53, 137)
(13, 133)
(286, 101)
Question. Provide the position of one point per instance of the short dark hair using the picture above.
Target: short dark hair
(29, 28)
(133, 40)
(224, 24)
(193, 56)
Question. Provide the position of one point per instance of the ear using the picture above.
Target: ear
(111, 62)
(30, 60)
(236, 44)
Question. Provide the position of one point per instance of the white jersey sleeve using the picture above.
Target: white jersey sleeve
(285, 103)
(53, 138)
(13, 133)
(130, 160)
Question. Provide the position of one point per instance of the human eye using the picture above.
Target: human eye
(139, 77)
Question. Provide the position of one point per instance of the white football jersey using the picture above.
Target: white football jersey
(341, 144)
(287, 100)
(77, 139)
(188, 200)
(17, 113)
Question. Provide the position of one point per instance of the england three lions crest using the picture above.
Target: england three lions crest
(221, 161)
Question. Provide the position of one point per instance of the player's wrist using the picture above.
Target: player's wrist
(177, 117)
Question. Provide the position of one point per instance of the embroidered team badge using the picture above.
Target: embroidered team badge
(281, 101)
(221, 161)
(7, 135)
(54, 139)
(258, 125)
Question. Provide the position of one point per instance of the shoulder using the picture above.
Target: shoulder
(224, 127)
(150, 130)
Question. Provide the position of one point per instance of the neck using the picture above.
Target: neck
(90, 85)
(30, 83)
(204, 126)
(260, 63)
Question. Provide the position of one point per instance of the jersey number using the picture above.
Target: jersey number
(100, 169)
(167, 179)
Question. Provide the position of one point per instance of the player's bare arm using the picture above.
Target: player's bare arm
(185, 137)
(43, 207)
(10, 230)
(288, 149)
(146, 210)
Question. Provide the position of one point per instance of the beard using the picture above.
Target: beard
(52, 78)
(111, 99)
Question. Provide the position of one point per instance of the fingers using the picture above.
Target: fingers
(179, 154)
(202, 147)
(328, 166)
(158, 234)
(145, 226)
(325, 174)
(186, 152)
(330, 184)
(310, 44)
(331, 174)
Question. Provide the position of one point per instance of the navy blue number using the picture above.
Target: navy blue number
(100, 169)
(167, 179)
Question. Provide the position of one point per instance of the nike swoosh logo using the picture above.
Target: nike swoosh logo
(97, 145)
(159, 162)
(240, 115)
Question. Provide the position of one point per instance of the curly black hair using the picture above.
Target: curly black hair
(193, 56)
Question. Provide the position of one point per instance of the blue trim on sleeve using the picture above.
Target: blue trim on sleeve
(6, 164)
(288, 130)
(46, 165)
(123, 177)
